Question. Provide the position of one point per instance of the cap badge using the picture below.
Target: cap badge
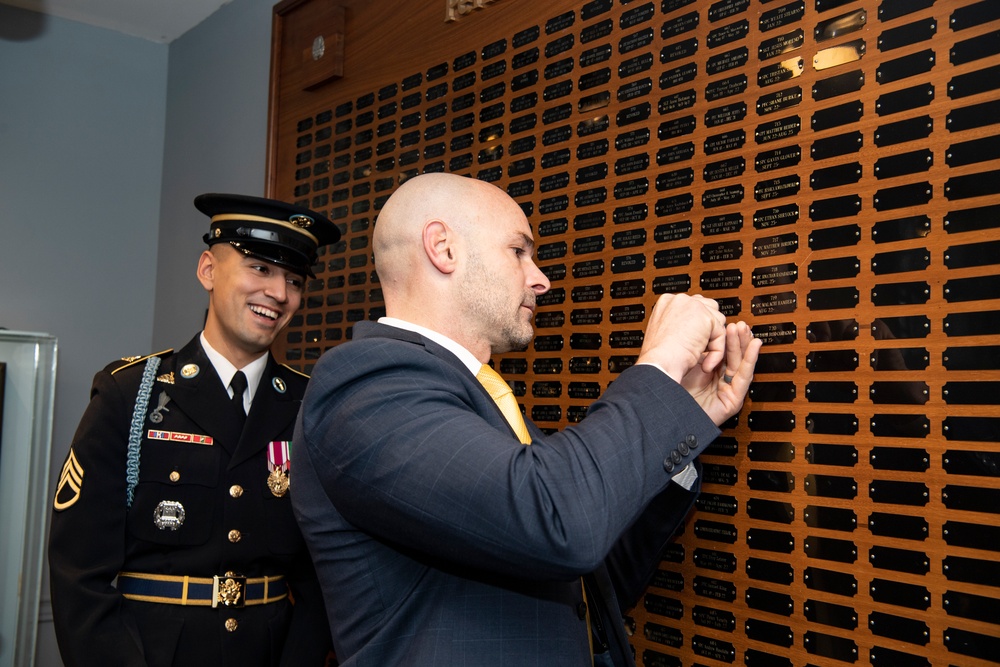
(279, 385)
(303, 221)
(217, 232)
(190, 370)
(168, 515)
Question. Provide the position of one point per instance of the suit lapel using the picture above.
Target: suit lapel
(372, 329)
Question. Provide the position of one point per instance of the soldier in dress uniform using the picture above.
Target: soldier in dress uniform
(173, 540)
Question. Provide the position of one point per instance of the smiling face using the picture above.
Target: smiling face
(250, 302)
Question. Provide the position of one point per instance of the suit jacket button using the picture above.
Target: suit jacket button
(668, 465)
(581, 610)
(691, 440)
(675, 456)
(684, 449)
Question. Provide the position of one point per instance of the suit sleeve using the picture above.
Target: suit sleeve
(87, 538)
(410, 449)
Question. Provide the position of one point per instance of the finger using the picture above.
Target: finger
(716, 348)
(744, 372)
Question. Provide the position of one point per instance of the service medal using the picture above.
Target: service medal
(278, 463)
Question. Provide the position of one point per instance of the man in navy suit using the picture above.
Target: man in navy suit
(440, 535)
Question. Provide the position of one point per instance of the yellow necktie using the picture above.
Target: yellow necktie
(504, 398)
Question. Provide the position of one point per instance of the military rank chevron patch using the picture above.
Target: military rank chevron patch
(70, 483)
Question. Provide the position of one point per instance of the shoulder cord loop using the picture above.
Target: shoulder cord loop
(135, 430)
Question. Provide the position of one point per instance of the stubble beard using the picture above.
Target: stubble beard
(501, 324)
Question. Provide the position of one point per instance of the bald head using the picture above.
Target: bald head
(438, 238)
(460, 202)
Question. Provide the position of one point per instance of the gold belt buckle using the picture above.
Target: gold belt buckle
(229, 590)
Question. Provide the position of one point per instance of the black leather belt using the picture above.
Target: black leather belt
(229, 590)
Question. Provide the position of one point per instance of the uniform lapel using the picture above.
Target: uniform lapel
(198, 392)
(273, 411)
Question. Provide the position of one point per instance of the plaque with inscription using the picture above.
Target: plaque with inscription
(716, 589)
(780, 72)
(627, 314)
(726, 34)
(661, 634)
(733, 85)
(663, 606)
(780, 274)
(772, 246)
(676, 153)
(584, 316)
(635, 187)
(636, 40)
(778, 158)
(778, 101)
(710, 559)
(585, 341)
(776, 46)
(628, 289)
(631, 163)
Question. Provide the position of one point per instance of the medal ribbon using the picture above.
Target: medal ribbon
(278, 456)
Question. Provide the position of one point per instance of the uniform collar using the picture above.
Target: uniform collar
(225, 370)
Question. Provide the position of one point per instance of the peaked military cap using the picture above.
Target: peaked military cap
(268, 229)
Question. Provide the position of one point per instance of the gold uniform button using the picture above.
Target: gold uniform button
(234, 536)
(236, 490)
(231, 624)
(175, 476)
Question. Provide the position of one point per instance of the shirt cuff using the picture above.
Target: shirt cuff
(687, 477)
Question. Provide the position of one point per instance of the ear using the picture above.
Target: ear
(439, 246)
(206, 270)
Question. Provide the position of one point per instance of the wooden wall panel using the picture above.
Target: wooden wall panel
(828, 169)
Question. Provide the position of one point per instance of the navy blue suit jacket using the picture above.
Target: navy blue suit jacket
(440, 540)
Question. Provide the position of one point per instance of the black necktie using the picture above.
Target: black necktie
(239, 385)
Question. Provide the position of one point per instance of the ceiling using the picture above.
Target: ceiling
(156, 20)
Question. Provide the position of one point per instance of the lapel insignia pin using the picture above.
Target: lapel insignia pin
(279, 385)
(166, 378)
(190, 370)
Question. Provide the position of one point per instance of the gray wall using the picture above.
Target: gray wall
(104, 141)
